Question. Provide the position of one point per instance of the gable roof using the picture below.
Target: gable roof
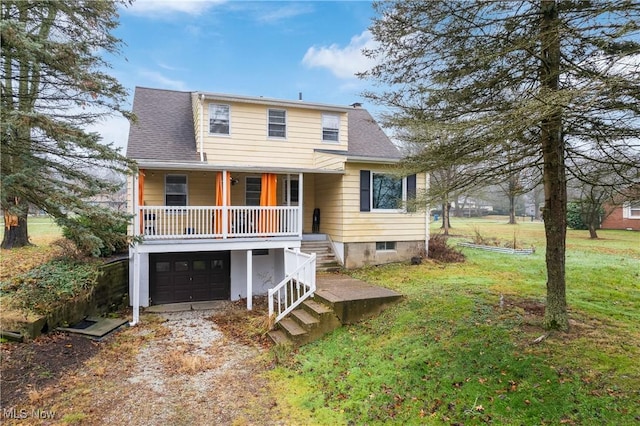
(367, 139)
(164, 128)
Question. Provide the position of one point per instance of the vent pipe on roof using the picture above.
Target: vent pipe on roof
(299, 96)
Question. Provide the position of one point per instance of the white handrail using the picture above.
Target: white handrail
(295, 288)
(189, 222)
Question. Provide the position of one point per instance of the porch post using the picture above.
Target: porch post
(135, 206)
(136, 286)
(249, 280)
(300, 204)
(225, 208)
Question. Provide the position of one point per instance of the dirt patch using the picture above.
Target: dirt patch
(29, 367)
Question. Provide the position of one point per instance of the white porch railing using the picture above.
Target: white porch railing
(190, 222)
(298, 284)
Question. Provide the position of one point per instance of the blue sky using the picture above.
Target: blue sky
(263, 48)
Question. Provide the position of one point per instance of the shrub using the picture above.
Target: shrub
(575, 216)
(440, 251)
(52, 284)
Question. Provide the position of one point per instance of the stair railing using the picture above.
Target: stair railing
(297, 286)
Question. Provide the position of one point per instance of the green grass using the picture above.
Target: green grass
(449, 354)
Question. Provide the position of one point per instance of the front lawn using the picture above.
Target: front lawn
(464, 347)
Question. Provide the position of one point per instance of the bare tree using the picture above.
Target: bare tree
(486, 72)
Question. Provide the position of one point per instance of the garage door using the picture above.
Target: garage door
(189, 277)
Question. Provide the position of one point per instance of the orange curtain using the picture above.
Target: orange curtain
(219, 199)
(141, 197)
(268, 219)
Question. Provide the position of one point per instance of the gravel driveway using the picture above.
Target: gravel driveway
(171, 369)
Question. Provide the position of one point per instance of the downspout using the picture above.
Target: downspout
(202, 127)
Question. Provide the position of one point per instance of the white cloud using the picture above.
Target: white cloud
(167, 8)
(274, 16)
(156, 79)
(343, 62)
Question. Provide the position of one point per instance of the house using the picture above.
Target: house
(231, 187)
(624, 216)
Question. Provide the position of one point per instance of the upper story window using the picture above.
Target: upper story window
(175, 190)
(330, 127)
(219, 119)
(277, 123)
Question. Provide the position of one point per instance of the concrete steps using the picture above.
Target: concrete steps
(326, 260)
(308, 323)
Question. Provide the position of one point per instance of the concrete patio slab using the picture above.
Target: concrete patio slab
(187, 306)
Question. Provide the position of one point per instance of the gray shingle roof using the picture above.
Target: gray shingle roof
(366, 138)
(164, 129)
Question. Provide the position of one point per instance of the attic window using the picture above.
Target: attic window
(218, 119)
(330, 127)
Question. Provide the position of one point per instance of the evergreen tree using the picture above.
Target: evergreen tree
(54, 84)
(485, 72)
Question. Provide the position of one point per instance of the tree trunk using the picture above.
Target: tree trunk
(512, 209)
(592, 231)
(554, 174)
(15, 227)
(445, 218)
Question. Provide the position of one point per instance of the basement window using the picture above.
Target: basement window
(385, 246)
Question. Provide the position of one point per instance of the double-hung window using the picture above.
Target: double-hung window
(294, 196)
(219, 119)
(252, 191)
(175, 190)
(631, 210)
(330, 127)
(277, 123)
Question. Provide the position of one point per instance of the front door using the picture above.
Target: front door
(189, 277)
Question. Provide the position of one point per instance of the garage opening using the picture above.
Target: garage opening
(189, 277)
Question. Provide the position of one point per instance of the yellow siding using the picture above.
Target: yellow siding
(328, 161)
(329, 199)
(377, 226)
(200, 186)
(248, 143)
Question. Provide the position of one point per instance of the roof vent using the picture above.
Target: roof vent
(299, 96)
(356, 105)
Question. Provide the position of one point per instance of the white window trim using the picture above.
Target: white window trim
(208, 123)
(325, 114)
(626, 211)
(285, 192)
(176, 209)
(404, 195)
(286, 124)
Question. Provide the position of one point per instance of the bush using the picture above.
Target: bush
(441, 252)
(52, 284)
(575, 216)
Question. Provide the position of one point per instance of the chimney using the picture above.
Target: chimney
(356, 105)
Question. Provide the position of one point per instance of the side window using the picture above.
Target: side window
(330, 127)
(219, 119)
(175, 190)
(295, 191)
(277, 123)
